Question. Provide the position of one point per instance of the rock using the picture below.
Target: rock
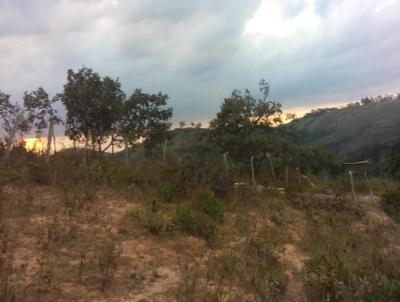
(136, 275)
(123, 231)
(156, 275)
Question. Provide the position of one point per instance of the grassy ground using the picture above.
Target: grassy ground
(266, 247)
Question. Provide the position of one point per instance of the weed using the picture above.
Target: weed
(155, 222)
(106, 263)
(211, 205)
(82, 266)
(132, 212)
(195, 223)
(346, 265)
(37, 173)
(168, 192)
(27, 202)
(188, 290)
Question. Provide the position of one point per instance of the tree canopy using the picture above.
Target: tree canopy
(244, 124)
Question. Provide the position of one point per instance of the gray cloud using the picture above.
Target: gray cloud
(199, 51)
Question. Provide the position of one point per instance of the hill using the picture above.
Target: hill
(349, 130)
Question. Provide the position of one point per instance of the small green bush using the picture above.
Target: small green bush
(168, 192)
(327, 275)
(391, 203)
(155, 222)
(195, 223)
(211, 205)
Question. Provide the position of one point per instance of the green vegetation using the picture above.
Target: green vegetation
(180, 214)
(391, 203)
(357, 132)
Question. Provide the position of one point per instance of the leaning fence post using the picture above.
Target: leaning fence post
(368, 183)
(271, 165)
(353, 190)
(253, 178)
(226, 161)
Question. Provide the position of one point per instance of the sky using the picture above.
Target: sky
(314, 53)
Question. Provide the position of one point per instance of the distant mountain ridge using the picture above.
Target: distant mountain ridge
(353, 128)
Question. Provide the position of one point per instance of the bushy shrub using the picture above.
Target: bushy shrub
(168, 192)
(222, 184)
(211, 205)
(155, 222)
(391, 203)
(327, 275)
(107, 256)
(195, 223)
(38, 173)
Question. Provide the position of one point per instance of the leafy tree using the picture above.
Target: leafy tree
(366, 101)
(42, 114)
(14, 121)
(243, 127)
(93, 107)
(144, 117)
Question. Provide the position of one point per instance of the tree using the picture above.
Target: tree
(366, 101)
(14, 121)
(42, 114)
(243, 127)
(145, 117)
(93, 106)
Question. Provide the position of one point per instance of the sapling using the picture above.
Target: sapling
(14, 121)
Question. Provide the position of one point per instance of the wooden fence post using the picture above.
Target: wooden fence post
(165, 149)
(271, 165)
(353, 190)
(371, 193)
(226, 161)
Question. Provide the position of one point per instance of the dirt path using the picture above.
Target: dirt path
(295, 258)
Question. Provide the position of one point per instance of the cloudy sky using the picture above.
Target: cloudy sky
(313, 52)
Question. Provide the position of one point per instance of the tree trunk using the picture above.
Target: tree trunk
(226, 162)
(50, 136)
(127, 152)
(271, 165)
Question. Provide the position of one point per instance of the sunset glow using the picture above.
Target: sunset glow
(35, 144)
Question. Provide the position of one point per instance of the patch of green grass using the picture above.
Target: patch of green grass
(347, 263)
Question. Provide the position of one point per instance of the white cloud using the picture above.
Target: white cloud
(271, 20)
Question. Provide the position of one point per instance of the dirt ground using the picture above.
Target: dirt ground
(95, 252)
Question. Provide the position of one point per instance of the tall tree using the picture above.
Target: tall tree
(145, 117)
(42, 114)
(93, 107)
(14, 121)
(243, 126)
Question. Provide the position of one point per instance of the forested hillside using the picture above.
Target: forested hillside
(352, 129)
